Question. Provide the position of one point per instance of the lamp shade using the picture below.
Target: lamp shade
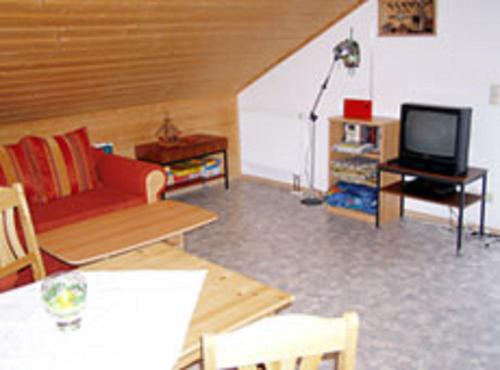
(495, 94)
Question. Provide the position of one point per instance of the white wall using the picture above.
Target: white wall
(456, 67)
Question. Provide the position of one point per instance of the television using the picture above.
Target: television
(435, 138)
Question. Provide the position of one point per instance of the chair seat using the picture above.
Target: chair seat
(81, 206)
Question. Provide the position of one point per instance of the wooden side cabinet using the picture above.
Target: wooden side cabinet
(188, 147)
(386, 148)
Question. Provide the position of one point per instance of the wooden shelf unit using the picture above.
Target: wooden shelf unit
(388, 149)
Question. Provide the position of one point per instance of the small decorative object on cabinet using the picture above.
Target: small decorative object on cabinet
(168, 133)
(356, 148)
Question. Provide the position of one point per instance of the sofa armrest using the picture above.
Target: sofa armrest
(130, 175)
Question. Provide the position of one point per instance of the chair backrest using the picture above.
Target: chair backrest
(282, 342)
(13, 257)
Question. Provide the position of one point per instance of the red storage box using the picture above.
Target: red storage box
(357, 108)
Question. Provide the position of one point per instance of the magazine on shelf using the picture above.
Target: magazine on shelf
(353, 148)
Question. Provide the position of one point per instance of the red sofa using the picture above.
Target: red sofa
(124, 183)
(66, 180)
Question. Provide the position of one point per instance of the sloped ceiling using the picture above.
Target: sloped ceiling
(64, 57)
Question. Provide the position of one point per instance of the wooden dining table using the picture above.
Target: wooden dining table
(132, 319)
(228, 299)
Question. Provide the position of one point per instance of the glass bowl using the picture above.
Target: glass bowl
(64, 297)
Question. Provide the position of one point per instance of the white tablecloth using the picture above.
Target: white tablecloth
(133, 320)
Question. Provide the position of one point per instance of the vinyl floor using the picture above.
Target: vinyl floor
(420, 306)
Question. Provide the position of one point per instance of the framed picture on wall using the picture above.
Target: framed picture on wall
(406, 17)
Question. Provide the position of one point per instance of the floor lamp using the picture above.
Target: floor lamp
(348, 52)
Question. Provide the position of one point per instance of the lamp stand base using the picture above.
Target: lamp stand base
(311, 201)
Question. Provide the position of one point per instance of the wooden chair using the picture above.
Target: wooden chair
(13, 257)
(280, 342)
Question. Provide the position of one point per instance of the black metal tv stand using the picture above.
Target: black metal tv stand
(459, 199)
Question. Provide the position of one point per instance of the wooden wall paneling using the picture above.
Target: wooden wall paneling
(126, 127)
(65, 57)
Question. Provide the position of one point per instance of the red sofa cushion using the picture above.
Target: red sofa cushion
(64, 164)
(81, 206)
(16, 166)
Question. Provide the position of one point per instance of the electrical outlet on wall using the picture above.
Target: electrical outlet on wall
(296, 188)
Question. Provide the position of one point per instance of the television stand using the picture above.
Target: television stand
(422, 187)
(442, 193)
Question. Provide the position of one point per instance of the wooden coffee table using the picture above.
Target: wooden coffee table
(124, 230)
(228, 300)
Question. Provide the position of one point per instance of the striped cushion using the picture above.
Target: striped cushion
(63, 163)
(16, 166)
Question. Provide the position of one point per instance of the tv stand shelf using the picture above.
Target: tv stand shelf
(459, 199)
(452, 200)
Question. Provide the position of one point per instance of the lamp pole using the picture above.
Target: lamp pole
(311, 199)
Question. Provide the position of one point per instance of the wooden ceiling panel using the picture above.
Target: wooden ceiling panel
(60, 57)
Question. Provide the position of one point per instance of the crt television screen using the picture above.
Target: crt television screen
(432, 133)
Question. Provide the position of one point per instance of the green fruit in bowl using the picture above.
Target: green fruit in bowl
(64, 297)
(64, 300)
